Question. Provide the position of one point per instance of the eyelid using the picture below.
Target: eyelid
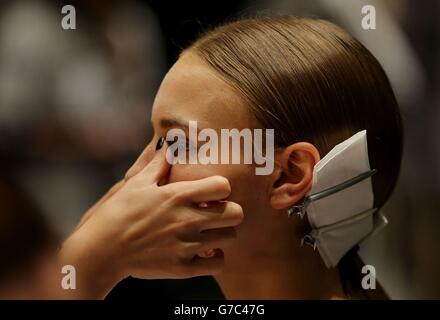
(188, 143)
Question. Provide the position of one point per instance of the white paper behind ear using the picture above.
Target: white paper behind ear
(345, 161)
(341, 220)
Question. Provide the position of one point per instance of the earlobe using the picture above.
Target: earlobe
(296, 177)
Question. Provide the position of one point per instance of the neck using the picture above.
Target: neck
(277, 268)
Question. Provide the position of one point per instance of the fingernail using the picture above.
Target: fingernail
(208, 253)
(160, 143)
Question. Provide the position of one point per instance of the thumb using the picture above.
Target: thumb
(159, 166)
(142, 160)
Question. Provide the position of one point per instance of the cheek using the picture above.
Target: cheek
(246, 187)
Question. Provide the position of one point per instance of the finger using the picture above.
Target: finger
(208, 253)
(207, 204)
(139, 164)
(203, 190)
(206, 266)
(224, 215)
(157, 169)
(216, 238)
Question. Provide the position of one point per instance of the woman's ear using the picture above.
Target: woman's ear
(295, 177)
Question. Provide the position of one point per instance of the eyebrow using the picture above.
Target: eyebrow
(168, 123)
(173, 122)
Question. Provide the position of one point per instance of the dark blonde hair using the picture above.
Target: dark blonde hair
(310, 81)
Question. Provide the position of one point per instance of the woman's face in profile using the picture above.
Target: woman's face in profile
(191, 91)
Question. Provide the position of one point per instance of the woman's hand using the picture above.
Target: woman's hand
(145, 230)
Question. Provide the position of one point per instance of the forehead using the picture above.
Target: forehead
(191, 90)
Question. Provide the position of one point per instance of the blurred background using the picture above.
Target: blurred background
(75, 108)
